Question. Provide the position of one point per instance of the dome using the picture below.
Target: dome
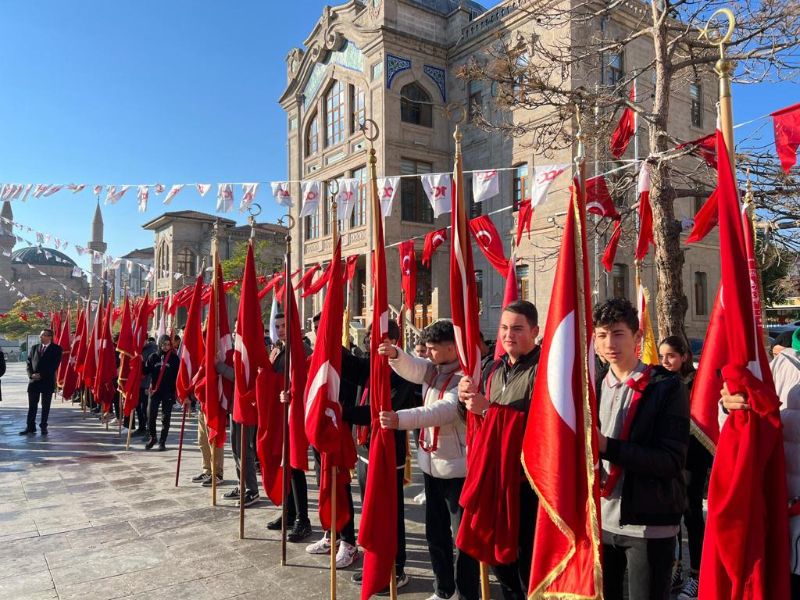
(30, 256)
(445, 7)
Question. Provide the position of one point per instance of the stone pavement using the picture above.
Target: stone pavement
(82, 518)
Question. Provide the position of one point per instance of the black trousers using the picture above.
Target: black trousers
(141, 410)
(250, 481)
(166, 405)
(454, 572)
(362, 471)
(649, 565)
(34, 395)
(348, 534)
(514, 577)
(698, 464)
(297, 498)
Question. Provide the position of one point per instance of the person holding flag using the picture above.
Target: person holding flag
(499, 510)
(441, 454)
(162, 367)
(643, 439)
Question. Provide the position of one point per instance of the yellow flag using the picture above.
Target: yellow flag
(648, 350)
(346, 328)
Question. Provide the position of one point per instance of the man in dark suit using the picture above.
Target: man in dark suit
(43, 362)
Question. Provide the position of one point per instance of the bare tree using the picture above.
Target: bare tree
(564, 66)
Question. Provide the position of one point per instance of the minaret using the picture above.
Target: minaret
(98, 245)
(7, 241)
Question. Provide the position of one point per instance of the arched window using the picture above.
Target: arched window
(357, 108)
(521, 187)
(415, 105)
(186, 263)
(312, 137)
(163, 257)
(334, 114)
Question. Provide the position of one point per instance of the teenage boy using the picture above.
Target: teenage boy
(643, 438)
(501, 411)
(163, 370)
(356, 371)
(441, 455)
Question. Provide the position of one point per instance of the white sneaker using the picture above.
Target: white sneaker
(114, 422)
(420, 499)
(438, 597)
(322, 546)
(346, 555)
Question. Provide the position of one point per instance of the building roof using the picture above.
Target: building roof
(192, 215)
(264, 227)
(445, 7)
(31, 256)
(148, 252)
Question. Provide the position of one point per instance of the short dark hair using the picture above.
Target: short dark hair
(439, 332)
(48, 332)
(616, 310)
(151, 339)
(680, 345)
(524, 308)
(420, 339)
(280, 315)
(317, 317)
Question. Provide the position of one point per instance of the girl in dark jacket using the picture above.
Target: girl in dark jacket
(676, 356)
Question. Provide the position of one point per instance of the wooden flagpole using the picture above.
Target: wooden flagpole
(287, 312)
(214, 299)
(332, 187)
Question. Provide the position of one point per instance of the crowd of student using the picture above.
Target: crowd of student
(653, 470)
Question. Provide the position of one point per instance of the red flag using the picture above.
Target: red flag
(511, 294)
(524, 219)
(250, 354)
(786, 123)
(324, 426)
(705, 147)
(625, 129)
(298, 375)
(645, 238)
(490, 242)
(708, 380)
(191, 345)
(350, 269)
(280, 293)
(433, 240)
(276, 279)
(312, 288)
(269, 443)
(378, 531)
(408, 273)
(307, 276)
(598, 198)
(557, 454)
(219, 349)
(125, 343)
(611, 249)
(705, 220)
(23, 316)
(71, 378)
(66, 350)
(134, 379)
(92, 349)
(745, 554)
(106, 376)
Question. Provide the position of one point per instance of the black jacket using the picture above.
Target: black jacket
(166, 389)
(654, 488)
(45, 365)
(355, 369)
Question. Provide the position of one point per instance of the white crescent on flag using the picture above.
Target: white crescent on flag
(484, 233)
(560, 368)
(329, 376)
(438, 239)
(406, 260)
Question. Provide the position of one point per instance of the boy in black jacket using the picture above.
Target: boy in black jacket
(356, 370)
(643, 438)
(162, 367)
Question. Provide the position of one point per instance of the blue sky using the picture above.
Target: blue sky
(162, 91)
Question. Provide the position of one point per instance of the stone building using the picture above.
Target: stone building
(395, 62)
(21, 268)
(135, 278)
(182, 242)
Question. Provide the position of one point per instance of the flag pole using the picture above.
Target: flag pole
(287, 313)
(332, 187)
(120, 380)
(214, 299)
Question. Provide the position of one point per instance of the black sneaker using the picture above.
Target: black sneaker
(357, 577)
(162, 446)
(27, 431)
(232, 495)
(275, 524)
(150, 444)
(250, 498)
(200, 478)
(401, 581)
(43, 430)
(207, 482)
(300, 531)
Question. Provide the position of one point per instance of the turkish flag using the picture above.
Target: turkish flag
(378, 531)
(598, 198)
(276, 280)
(89, 362)
(408, 273)
(280, 293)
(71, 377)
(490, 242)
(312, 288)
(510, 294)
(63, 341)
(433, 240)
(324, 426)
(706, 219)
(307, 276)
(745, 550)
(786, 123)
(350, 269)
(557, 453)
(250, 354)
(269, 443)
(524, 219)
(191, 346)
(705, 147)
(626, 128)
(106, 377)
(133, 383)
(463, 295)
(297, 366)
(645, 238)
(708, 380)
(611, 249)
(125, 344)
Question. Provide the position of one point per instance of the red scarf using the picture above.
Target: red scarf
(153, 390)
(421, 441)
